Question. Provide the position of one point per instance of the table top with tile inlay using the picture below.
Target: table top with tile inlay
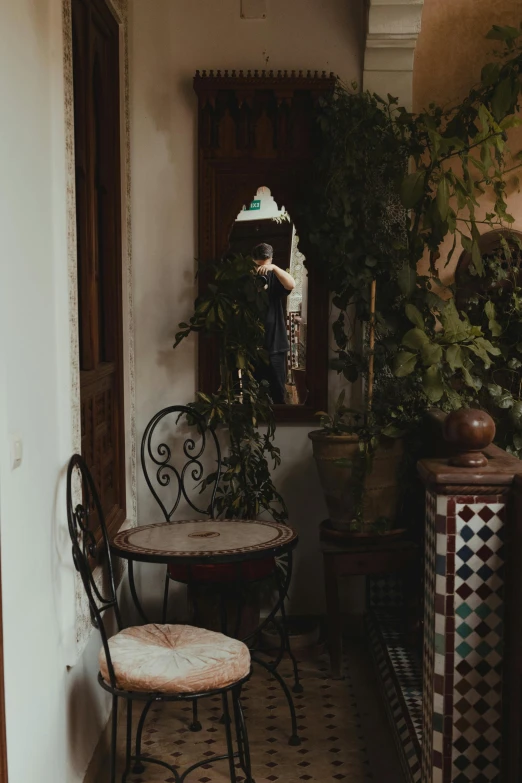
(199, 541)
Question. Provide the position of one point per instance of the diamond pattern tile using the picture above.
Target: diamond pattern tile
(436, 509)
(400, 674)
(463, 631)
(479, 562)
(404, 666)
(386, 591)
(333, 748)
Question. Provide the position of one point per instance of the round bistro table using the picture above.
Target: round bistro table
(204, 541)
(209, 542)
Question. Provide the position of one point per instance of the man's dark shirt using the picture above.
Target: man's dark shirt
(276, 338)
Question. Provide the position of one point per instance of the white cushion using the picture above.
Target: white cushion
(175, 659)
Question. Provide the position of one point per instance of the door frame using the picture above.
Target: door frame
(119, 9)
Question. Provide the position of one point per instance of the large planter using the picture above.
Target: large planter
(381, 491)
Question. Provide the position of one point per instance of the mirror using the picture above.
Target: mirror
(257, 142)
(263, 222)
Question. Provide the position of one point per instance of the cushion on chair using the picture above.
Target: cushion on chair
(250, 571)
(175, 659)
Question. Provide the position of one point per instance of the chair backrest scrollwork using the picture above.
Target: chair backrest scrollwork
(89, 537)
(160, 469)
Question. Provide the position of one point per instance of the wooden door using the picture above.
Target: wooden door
(98, 209)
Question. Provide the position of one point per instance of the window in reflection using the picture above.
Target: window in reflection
(259, 224)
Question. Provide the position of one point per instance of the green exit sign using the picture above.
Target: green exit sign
(254, 205)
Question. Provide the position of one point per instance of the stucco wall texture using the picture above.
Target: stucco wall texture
(452, 47)
(451, 51)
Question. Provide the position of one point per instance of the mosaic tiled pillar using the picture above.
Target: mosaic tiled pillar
(463, 634)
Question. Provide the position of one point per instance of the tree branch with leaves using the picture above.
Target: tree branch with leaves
(232, 312)
(392, 187)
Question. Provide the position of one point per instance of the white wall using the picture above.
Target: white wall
(54, 717)
(170, 39)
(453, 36)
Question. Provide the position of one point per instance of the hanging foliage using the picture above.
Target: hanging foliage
(232, 313)
(393, 186)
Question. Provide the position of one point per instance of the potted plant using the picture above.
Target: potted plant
(359, 456)
(358, 468)
(232, 312)
(391, 187)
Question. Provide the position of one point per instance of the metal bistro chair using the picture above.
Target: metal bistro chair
(160, 472)
(152, 663)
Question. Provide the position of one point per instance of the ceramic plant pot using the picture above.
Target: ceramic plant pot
(381, 491)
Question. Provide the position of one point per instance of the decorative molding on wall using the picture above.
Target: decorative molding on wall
(393, 29)
(120, 10)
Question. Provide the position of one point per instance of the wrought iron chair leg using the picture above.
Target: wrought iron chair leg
(195, 725)
(242, 736)
(165, 598)
(138, 766)
(295, 739)
(128, 750)
(239, 735)
(114, 737)
(228, 734)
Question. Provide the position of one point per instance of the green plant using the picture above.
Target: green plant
(231, 312)
(496, 305)
(391, 187)
(373, 219)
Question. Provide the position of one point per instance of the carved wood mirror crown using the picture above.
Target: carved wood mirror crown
(257, 139)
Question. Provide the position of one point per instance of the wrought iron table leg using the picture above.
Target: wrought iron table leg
(298, 688)
(294, 737)
(134, 594)
(165, 598)
(195, 725)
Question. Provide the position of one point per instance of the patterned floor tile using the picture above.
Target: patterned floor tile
(332, 749)
(400, 671)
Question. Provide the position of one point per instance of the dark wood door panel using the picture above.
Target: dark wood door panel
(98, 209)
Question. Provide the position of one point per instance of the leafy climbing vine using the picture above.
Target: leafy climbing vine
(392, 187)
(232, 312)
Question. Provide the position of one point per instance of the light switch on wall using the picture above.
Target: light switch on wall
(253, 9)
(17, 451)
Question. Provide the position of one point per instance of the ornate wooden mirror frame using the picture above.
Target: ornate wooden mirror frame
(254, 130)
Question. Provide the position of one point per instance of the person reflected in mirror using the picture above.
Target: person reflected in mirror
(279, 284)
